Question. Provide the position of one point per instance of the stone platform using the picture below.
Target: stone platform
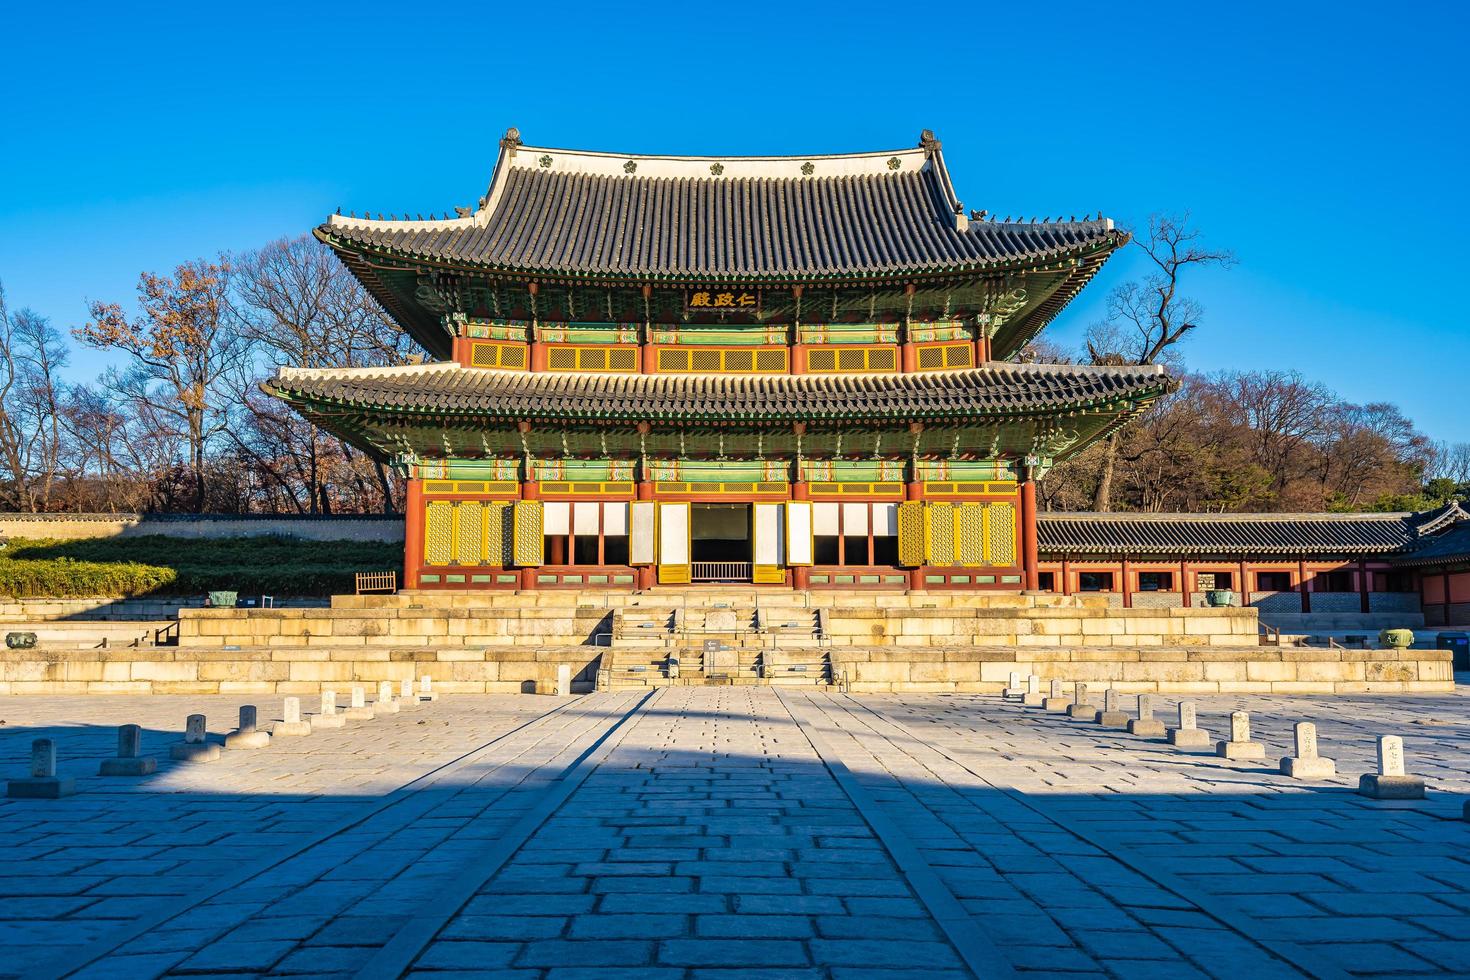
(857, 641)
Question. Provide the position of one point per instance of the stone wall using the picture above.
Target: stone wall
(530, 667)
(350, 527)
(1180, 670)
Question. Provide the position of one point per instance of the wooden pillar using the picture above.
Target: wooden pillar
(1364, 601)
(1244, 587)
(1183, 584)
(1065, 586)
(647, 355)
(908, 358)
(1029, 556)
(413, 533)
(1301, 584)
(1126, 585)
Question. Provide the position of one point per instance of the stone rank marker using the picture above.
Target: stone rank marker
(43, 783)
(385, 705)
(1390, 783)
(359, 711)
(1146, 724)
(195, 747)
(1307, 764)
(426, 691)
(291, 724)
(1032, 698)
(130, 759)
(247, 736)
(405, 691)
(1240, 745)
(1013, 686)
(1111, 715)
(563, 680)
(328, 716)
(1056, 701)
(1187, 735)
(1080, 707)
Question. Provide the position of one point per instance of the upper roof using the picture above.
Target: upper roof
(610, 216)
(998, 389)
(1233, 535)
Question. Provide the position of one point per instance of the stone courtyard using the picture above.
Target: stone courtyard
(735, 832)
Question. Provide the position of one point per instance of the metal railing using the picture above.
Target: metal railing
(720, 571)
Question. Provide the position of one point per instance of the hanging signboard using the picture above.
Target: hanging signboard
(721, 300)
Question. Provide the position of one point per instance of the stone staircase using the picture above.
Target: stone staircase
(623, 668)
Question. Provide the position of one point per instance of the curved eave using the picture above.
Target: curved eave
(1115, 409)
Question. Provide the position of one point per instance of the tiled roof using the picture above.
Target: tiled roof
(577, 213)
(998, 389)
(1226, 535)
(1450, 547)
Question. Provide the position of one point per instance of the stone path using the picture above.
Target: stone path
(735, 832)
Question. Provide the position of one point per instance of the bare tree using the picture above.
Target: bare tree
(181, 347)
(298, 306)
(31, 352)
(1148, 317)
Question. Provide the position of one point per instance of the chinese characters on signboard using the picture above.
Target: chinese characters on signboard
(720, 301)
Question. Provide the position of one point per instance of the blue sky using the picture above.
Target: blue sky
(1324, 143)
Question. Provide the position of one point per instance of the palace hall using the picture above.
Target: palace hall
(784, 371)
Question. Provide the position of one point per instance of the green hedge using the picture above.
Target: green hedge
(155, 565)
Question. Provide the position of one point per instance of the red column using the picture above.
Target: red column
(1364, 603)
(413, 533)
(1301, 584)
(1244, 588)
(1126, 584)
(1029, 556)
(1065, 586)
(1183, 585)
(908, 358)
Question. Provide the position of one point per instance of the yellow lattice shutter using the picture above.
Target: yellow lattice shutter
(970, 534)
(469, 532)
(528, 542)
(498, 530)
(1002, 519)
(941, 534)
(911, 533)
(439, 533)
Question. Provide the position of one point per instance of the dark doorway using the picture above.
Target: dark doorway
(719, 538)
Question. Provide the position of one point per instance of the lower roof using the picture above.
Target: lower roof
(994, 390)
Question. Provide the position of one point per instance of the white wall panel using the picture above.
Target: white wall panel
(885, 520)
(854, 519)
(799, 533)
(558, 517)
(614, 518)
(673, 534)
(584, 517)
(769, 534)
(641, 540)
(824, 520)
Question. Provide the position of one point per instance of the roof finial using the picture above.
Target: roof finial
(462, 212)
(927, 140)
(511, 139)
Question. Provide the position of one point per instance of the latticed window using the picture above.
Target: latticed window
(941, 357)
(510, 357)
(845, 360)
(598, 359)
(722, 360)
